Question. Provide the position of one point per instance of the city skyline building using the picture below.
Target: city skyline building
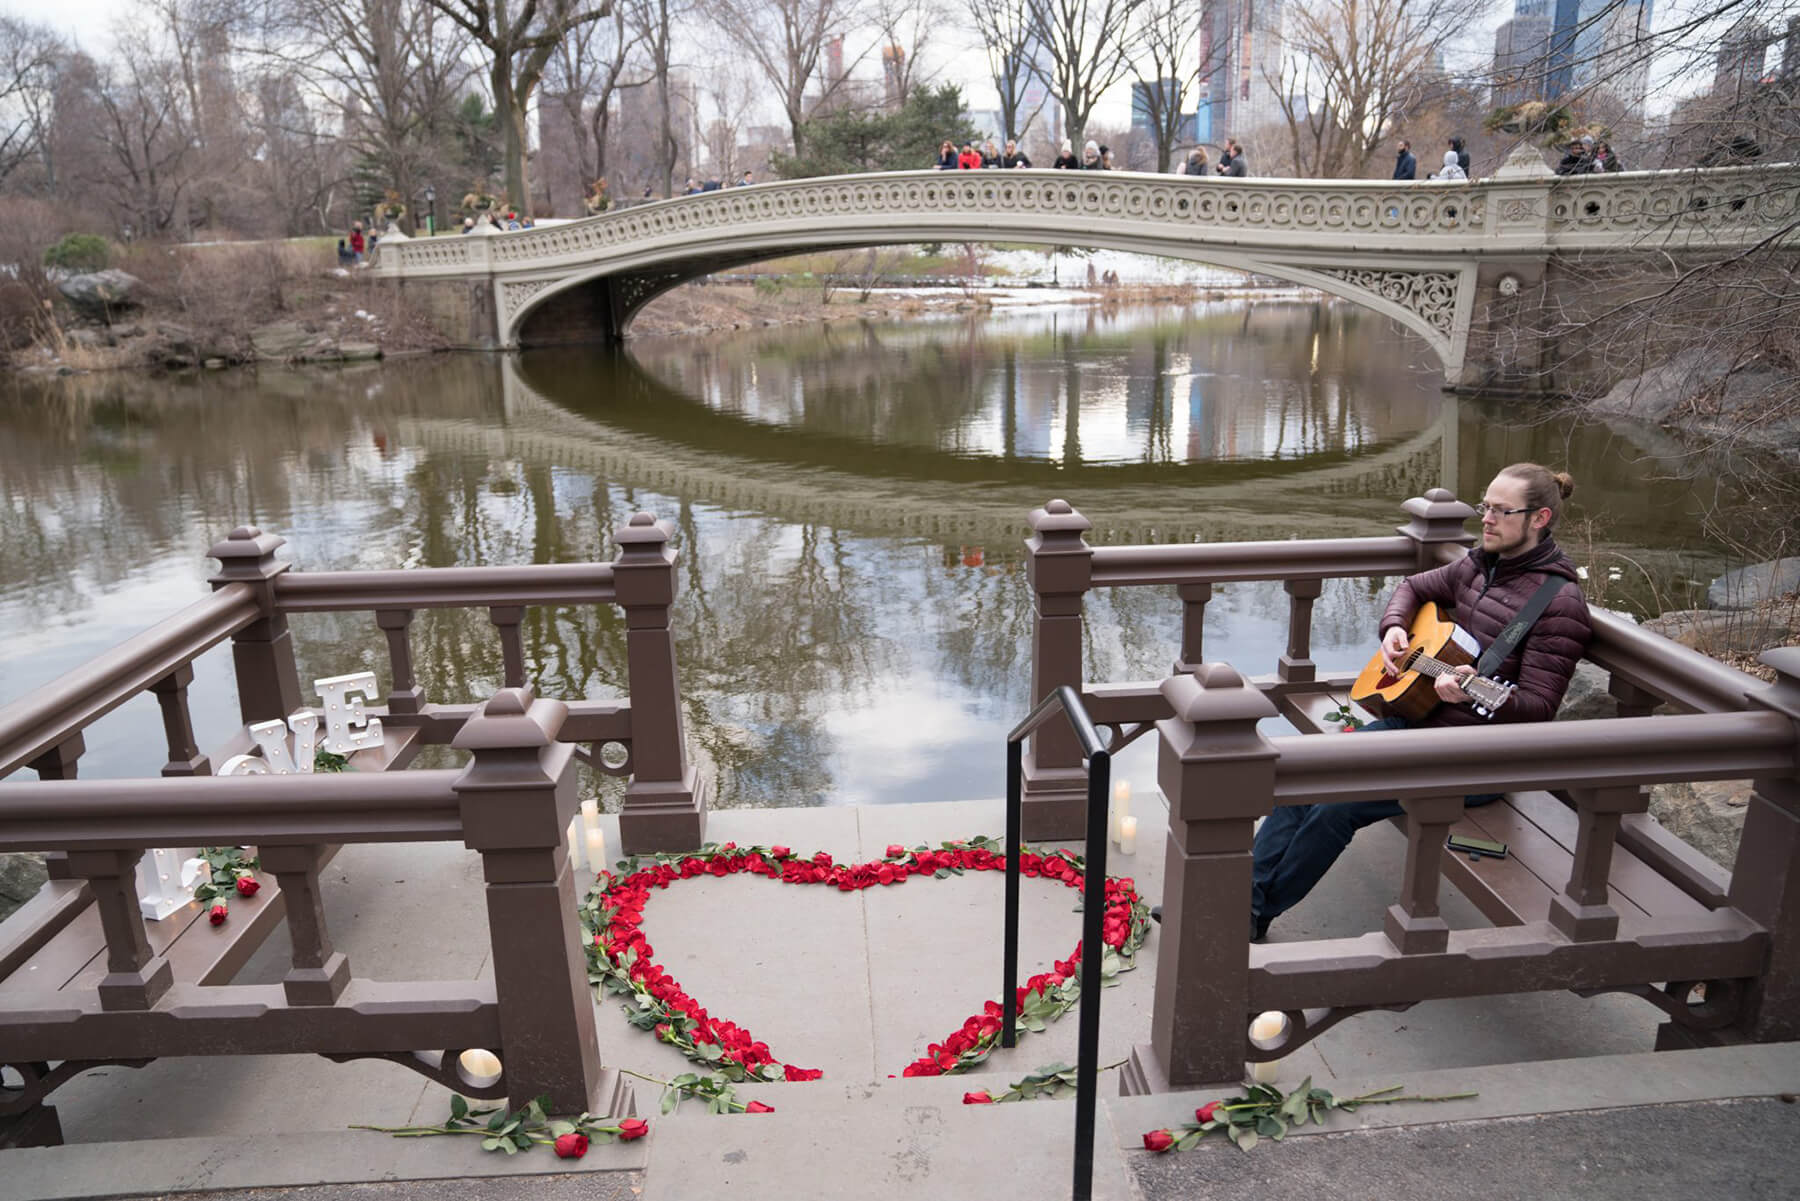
(1240, 64)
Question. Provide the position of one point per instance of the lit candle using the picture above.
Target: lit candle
(1263, 1032)
(574, 844)
(596, 849)
(1127, 835)
(480, 1067)
(1121, 807)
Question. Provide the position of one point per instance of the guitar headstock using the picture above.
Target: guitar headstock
(1488, 695)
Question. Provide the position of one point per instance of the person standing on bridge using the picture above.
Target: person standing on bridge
(1239, 165)
(970, 158)
(1065, 157)
(1196, 163)
(1014, 157)
(947, 157)
(1462, 155)
(1451, 170)
(1090, 156)
(1406, 166)
(1297, 844)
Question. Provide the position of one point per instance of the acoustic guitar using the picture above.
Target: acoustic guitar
(1437, 647)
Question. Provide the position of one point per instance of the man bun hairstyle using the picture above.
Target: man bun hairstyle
(1544, 488)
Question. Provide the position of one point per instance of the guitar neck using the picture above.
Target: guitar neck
(1486, 692)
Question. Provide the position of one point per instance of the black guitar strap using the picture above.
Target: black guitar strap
(1502, 647)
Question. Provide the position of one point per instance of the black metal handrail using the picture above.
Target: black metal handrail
(1093, 909)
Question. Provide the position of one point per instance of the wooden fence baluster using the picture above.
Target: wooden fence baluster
(1582, 910)
(512, 644)
(1059, 566)
(263, 652)
(1412, 924)
(1219, 775)
(135, 977)
(518, 795)
(60, 762)
(1193, 625)
(171, 692)
(404, 693)
(665, 803)
(1297, 665)
(318, 972)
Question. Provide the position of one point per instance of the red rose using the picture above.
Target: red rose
(885, 874)
(571, 1146)
(1206, 1111)
(1158, 1140)
(758, 1107)
(1348, 730)
(979, 1097)
(780, 852)
(218, 915)
(719, 867)
(895, 850)
(247, 886)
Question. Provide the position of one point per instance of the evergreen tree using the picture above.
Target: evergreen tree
(848, 142)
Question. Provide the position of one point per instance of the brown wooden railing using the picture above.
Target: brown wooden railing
(1722, 959)
(512, 804)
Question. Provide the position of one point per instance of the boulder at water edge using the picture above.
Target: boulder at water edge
(100, 294)
(1748, 587)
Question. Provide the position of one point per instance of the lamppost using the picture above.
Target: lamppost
(431, 211)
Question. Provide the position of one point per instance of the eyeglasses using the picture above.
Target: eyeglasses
(1483, 509)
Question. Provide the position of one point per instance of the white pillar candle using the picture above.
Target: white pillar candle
(481, 1067)
(1127, 835)
(596, 849)
(1263, 1032)
(590, 817)
(1122, 798)
(574, 843)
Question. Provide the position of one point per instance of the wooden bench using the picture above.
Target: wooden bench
(54, 942)
(1654, 874)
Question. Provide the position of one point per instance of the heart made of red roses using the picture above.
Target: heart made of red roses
(622, 960)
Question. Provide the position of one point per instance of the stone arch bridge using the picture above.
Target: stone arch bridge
(1470, 267)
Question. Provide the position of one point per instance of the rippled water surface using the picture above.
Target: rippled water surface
(848, 503)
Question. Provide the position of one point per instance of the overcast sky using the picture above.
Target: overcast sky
(90, 22)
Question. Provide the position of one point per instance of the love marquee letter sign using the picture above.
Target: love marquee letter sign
(348, 728)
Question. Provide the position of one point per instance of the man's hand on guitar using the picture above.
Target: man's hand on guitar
(1449, 687)
(1393, 647)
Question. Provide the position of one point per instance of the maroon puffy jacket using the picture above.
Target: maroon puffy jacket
(1487, 591)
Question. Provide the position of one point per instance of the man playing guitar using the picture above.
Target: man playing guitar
(1297, 844)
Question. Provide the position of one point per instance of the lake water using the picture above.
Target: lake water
(849, 506)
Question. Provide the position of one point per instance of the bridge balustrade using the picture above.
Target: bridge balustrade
(512, 804)
(1736, 934)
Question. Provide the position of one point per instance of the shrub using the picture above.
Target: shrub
(79, 252)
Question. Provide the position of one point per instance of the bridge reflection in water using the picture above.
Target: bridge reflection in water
(848, 504)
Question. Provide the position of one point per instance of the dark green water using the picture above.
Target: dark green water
(848, 500)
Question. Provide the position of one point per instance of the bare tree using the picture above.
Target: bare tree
(786, 39)
(1088, 44)
(653, 22)
(519, 42)
(1167, 40)
(1352, 67)
(1007, 30)
(138, 156)
(29, 55)
(730, 94)
(388, 70)
(589, 69)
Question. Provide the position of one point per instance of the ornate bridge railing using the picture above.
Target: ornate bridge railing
(1413, 251)
(115, 988)
(1666, 920)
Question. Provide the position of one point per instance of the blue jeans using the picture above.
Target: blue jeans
(1297, 844)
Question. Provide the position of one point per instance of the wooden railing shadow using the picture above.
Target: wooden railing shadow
(1596, 898)
(85, 979)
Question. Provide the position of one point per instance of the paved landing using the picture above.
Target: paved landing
(854, 983)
